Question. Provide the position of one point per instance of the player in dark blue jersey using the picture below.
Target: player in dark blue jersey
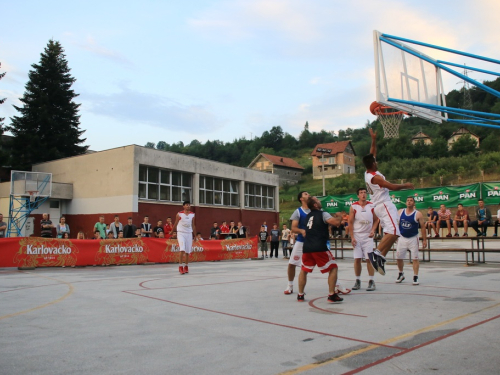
(409, 221)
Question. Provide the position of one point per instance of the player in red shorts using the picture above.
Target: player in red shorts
(315, 251)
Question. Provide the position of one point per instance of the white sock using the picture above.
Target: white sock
(290, 284)
(358, 278)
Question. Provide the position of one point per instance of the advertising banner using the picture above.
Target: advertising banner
(491, 192)
(53, 252)
(433, 197)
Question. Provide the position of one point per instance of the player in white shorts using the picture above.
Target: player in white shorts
(362, 225)
(386, 211)
(409, 220)
(299, 222)
(184, 221)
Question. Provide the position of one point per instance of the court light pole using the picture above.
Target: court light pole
(323, 151)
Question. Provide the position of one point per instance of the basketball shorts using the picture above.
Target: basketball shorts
(388, 215)
(364, 245)
(405, 244)
(460, 224)
(323, 259)
(185, 242)
(296, 257)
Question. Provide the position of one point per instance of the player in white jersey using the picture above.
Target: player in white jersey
(184, 221)
(386, 211)
(362, 225)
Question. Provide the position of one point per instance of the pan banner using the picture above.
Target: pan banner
(433, 197)
(53, 252)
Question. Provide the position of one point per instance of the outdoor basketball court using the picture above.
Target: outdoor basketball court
(232, 317)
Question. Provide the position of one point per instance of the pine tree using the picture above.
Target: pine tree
(48, 127)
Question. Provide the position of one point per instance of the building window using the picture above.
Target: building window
(219, 192)
(259, 196)
(331, 160)
(164, 185)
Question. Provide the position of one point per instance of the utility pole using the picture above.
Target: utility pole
(323, 151)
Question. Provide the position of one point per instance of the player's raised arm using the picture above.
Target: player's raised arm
(373, 148)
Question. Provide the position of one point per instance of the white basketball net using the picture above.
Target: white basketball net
(390, 122)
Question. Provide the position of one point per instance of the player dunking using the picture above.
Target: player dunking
(298, 226)
(386, 211)
(185, 231)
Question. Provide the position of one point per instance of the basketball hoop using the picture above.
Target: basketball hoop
(389, 117)
(33, 195)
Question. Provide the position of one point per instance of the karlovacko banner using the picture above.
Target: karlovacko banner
(53, 252)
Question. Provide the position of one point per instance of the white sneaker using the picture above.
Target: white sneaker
(401, 277)
(340, 289)
(415, 280)
(289, 290)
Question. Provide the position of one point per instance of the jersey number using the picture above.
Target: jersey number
(310, 222)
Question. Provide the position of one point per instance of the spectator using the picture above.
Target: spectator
(461, 220)
(129, 229)
(264, 224)
(291, 242)
(198, 237)
(285, 235)
(345, 223)
(138, 233)
(214, 232)
(161, 235)
(80, 236)
(158, 229)
(115, 227)
(432, 217)
(224, 228)
(174, 235)
(62, 227)
(111, 236)
(263, 240)
(483, 219)
(46, 226)
(444, 218)
(97, 235)
(120, 234)
(146, 229)
(3, 227)
(275, 240)
(232, 230)
(242, 230)
(497, 221)
(101, 227)
(168, 227)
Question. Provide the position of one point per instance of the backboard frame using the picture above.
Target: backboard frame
(23, 182)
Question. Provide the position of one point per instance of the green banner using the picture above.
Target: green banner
(491, 192)
(433, 197)
(338, 203)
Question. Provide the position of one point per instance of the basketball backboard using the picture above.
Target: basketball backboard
(25, 184)
(403, 76)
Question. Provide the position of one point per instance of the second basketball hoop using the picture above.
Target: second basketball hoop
(389, 117)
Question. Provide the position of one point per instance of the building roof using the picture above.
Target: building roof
(420, 135)
(462, 131)
(336, 147)
(278, 161)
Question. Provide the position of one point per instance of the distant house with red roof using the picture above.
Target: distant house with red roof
(287, 169)
(336, 157)
(460, 133)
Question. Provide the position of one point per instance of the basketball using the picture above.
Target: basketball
(373, 107)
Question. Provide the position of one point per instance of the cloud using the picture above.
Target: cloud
(92, 46)
(141, 108)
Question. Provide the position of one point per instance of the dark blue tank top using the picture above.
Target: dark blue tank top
(302, 224)
(408, 225)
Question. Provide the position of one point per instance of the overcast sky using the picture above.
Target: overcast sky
(205, 69)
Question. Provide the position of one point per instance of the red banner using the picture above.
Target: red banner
(53, 252)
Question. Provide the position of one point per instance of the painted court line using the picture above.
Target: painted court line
(265, 322)
(312, 366)
(70, 292)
